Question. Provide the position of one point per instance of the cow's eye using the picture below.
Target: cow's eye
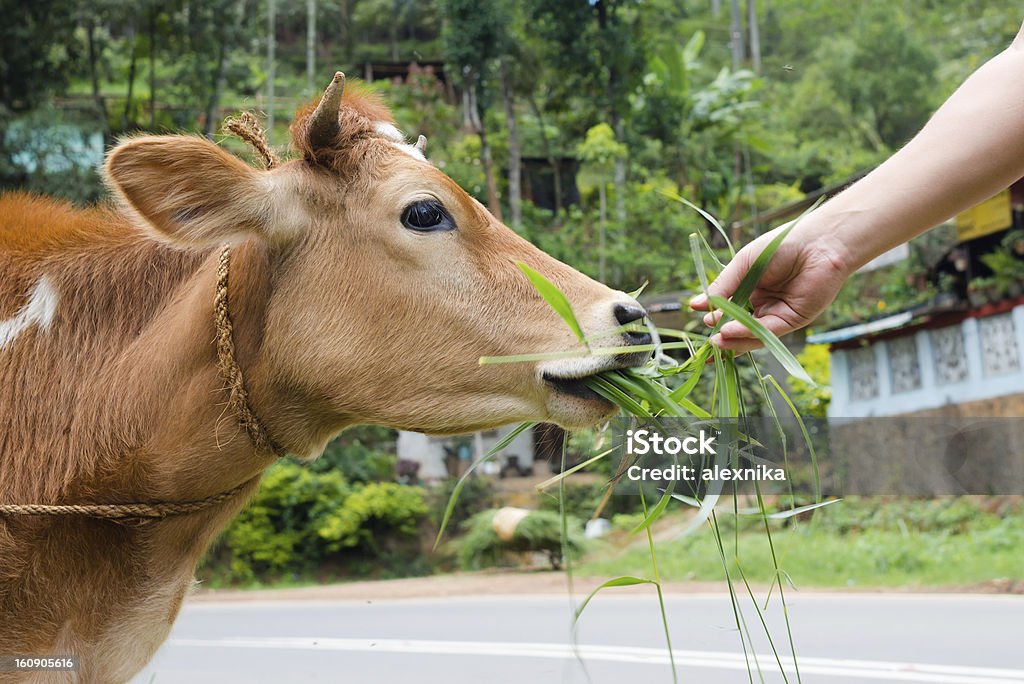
(427, 216)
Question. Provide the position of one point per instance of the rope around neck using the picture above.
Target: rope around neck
(227, 364)
(238, 402)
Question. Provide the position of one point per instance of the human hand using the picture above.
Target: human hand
(802, 279)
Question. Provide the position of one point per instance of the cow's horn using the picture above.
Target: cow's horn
(421, 144)
(323, 126)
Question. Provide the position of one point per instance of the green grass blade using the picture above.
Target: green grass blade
(803, 431)
(494, 451)
(566, 473)
(710, 219)
(698, 262)
(555, 298)
(746, 287)
(770, 341)
(624, 581)
(603, 351)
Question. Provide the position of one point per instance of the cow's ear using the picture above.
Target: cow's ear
(191, 192)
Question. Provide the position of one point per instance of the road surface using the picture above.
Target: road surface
(841, 638)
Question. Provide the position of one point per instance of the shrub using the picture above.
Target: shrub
(372, 513)
(277, 531)
(477, 495)
(361, 454)
(300, 521)
(540, 531)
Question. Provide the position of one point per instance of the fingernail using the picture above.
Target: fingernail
(698, 300)
(709, 319)
(716, 340)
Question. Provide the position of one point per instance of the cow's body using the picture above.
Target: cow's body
(108, 361)
(86, 419)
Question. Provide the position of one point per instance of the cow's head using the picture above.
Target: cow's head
(390, 281)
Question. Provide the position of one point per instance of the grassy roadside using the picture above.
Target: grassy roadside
(855, 543)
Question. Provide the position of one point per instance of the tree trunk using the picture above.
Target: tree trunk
(473, 115)
(396, 9)
(345, 29)
(216, 89)
(152, 67)
(132, 40)
(619, 179)
(549, 154)
(271, 45)
(736, 34)
(310, 45)
(601, 230)
(515, 173)
(755, 35)
(94, 77)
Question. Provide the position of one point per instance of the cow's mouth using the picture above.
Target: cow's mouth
(575, 387)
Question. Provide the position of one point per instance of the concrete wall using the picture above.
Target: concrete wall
(921, 372)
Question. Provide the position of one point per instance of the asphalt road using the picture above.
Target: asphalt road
(842, 638)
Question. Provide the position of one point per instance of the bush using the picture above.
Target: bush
(360, 454)
(540, 531)
(372, 514)
(477, 495)
(301, 521)
(277, 531)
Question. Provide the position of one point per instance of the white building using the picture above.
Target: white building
(436, 454)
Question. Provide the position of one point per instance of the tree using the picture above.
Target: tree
(596, 49)
(475, 35)
(37, 50)
(600, 152)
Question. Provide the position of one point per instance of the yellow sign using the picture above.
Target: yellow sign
(988, 217)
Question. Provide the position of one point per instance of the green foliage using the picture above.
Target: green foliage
(477, 494)
(370, 512)
(301, 520)
(812, 400)
(36, 51)
(360, 454)
(540, 531)
(599, 150)
(278, 530)
(474, 33)
(856, 542)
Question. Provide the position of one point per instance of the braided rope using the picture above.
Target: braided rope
(238, 398)
(238, 402)
(128, 510)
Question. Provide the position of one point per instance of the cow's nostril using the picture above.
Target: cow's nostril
(632, 313)
(627, 313)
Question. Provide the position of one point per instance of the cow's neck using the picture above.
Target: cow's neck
(119, 398)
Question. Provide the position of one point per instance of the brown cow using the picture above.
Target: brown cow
(364, 286)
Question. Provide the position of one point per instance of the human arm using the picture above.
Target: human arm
(970, 149)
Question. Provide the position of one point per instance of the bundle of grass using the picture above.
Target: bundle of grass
(662, 388)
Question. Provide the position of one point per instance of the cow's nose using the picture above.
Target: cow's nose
(632, 313)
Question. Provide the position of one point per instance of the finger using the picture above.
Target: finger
(711, 318)
(775, 324)
(734, 330)
(738, 345)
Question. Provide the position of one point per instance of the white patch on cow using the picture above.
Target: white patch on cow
(398, 140)
(410, 150)
(40, 310)
(389, 131)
